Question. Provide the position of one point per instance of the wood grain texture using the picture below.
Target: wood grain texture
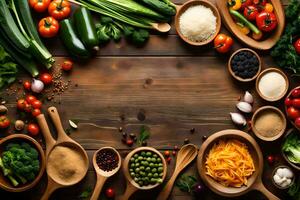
(166, 85)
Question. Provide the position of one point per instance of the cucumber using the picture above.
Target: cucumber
(161, 6)
(86, 28)
(11, 30)
(71, 41)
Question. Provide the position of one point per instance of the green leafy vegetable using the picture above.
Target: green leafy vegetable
(8, 69)
(186, 182)
(284, 52)
(164, 7)
(294, 190)
(291, 147)
(144, 135)
(86, 193)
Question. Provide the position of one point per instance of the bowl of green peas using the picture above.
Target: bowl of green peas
(145, 168)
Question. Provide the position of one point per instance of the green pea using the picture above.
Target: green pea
(146, 163)
(137, 170)
(155, 175)
(136, 179)
(132, 165)
(142, 168)
(136, 155)
(131, 159)
(150, 175)
(153, 180)
(148, 169)
(160, 169)
(132, 174)
(156, 165)
(137, 164)
(141, 183)
(153, 160)
(149, 159)
(155, 155)
(136, 160)
(160, 165)
(149, 154)
(161, 174)
(142, 173)
(154, 170)
(159, 180)
(130, 169)
(137, 175)
(143, 153)
(140, 158)
(151, 165)
(158, 160)
(146, 179)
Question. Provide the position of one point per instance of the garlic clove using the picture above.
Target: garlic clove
(289, 181)
(287, 173)
(244, 107)
(277, 179)
(238, 119)
(248, 97)
(280, 172)
(73, 124)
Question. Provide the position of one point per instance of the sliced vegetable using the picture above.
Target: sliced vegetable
(86, 28)
(39, 5)
(71, 41)
(266, 21)
(59, 9)
(257, 36)
(244, 29)
(243, 20)
(234, 4)
(48, 27)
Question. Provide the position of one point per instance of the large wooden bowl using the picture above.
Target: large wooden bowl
(4, 182)
(184, 7)
(266, 44)
(254, 181)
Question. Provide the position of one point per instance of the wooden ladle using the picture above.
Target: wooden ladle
(185, 156)
(102, 176)
(161, 27)
(62, 140)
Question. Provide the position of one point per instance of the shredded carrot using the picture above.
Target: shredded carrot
(230, 163)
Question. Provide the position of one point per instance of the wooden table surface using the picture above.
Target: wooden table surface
(167, 85)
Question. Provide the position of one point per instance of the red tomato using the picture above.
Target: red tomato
(59, 9)
(288, 102)
(271, 160)
(67, 65)
(28, 108)
(39, 5)
(250, 12)
(266, 21)
(48, 27)
(4, 122)
(110, 193)
(27, 85)
(46, 78)
(296, 93)
(296, 103)
(246, 3)
(260, 2)
(223, 43)
(33, 129)
(36, 112)
(297, 122)
(36, 104)
(293, 113)
(21, 104)
(30, 99)
(297, 46)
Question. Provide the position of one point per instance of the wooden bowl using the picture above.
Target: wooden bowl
(285, 108)
(295, 166)
(278, 186)
(254, 181)
(258, 113)
(237, 77)
(4, 182)
(207, 4)
(265, 72)
(266, 44)
(126, 169)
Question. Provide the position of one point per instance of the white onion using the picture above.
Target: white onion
(37, 86)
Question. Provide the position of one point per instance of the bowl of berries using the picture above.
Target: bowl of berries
(292, 107)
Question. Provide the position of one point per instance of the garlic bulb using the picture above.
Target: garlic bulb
(283, 177)
(238, 119)
(37, 86)
(248, 97)
(244, 107)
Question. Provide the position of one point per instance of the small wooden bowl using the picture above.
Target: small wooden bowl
(259, 112)
(266, 44)
(285, 108)
(278, 186)
(188, 4)
(265, 72)
(239, 78)
(295, 166)
(126, 168)
(4, 182)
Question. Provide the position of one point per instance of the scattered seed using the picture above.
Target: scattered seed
(124, 134)
(192, 130)
(186, 141)
(204, 137)
(3, 109)
(120, 129)
(167, 153)
(129, 142)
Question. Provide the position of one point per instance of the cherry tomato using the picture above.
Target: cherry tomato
(223, 43)
(293, 113)
(260, 2)
(30, 99)
(4, 122)
(296, 103)
(59, 9)
(296, 93)
(297, 122)
(33, 129)
(37, 104)
(250, 12)
(266, 21)
(110, 193)
(271, 160)
(39, 5)
(297, 46)
(167, 153)
(21, 104)
(48, 27)
(246, 3)
(27, 85)
(269, 7)
(28, 108)
(67, 65)
(46, 78)
(36, 112)
(288, 102)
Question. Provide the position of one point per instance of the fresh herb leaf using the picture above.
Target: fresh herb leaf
(8, 69)
(86, 193)
(186, 182)
(144, 135)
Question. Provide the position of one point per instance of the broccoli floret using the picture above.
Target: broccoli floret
(8, 173)
(103, 37)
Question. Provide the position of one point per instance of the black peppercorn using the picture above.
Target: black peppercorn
(186, 141)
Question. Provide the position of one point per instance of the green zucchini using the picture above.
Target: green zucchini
(11, 30)
(28, 64)
(71, 41)
(86, 28)
(161, 6)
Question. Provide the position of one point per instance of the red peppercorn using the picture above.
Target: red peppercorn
(174, 153)
(129, 142)
(167, 153)
(271, 160)
(110, 193)
(169, 160)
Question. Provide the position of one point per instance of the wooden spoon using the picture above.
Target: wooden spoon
(62, 140)
(102, 176)
(185, 156)
(161, 27)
